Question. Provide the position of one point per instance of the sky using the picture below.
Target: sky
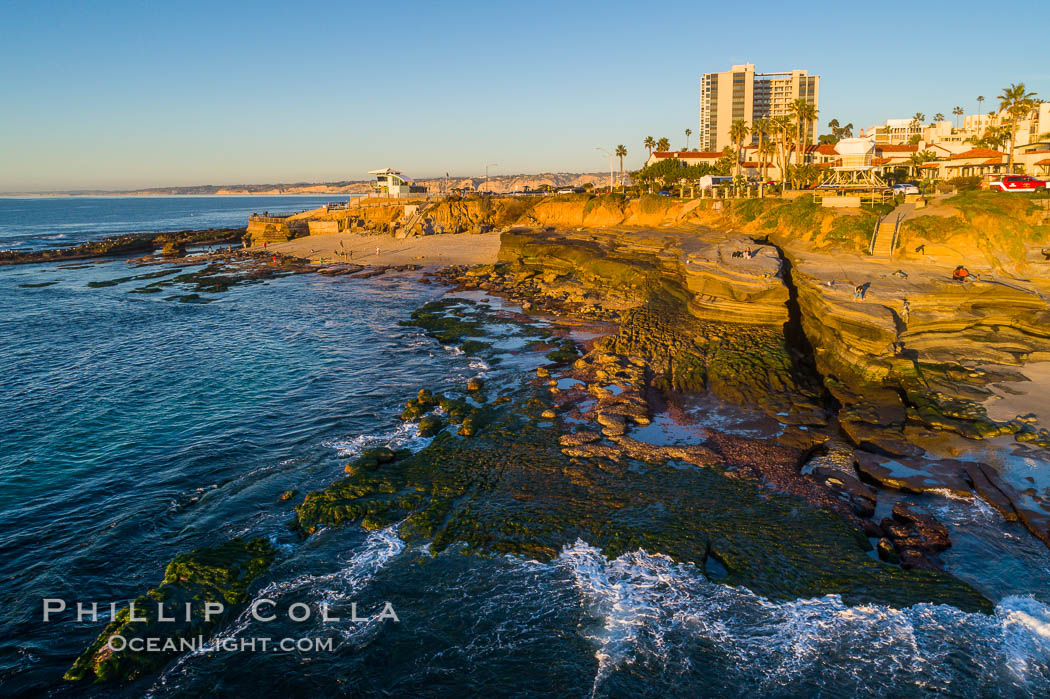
(118, 95)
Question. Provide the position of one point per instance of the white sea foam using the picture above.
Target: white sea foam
(405, 436)
(651, 608)
(344, 584)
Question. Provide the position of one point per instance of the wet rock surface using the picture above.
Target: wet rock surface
(125, 245)
(220, 575)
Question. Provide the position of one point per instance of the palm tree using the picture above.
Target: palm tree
(919, 159)
(764, 151)
(663, 145)
(621, 153)
(939, 116)
(980, 98)
(688, 133)
(760, 127)
(781, 127)
(649, 143)
(738, 131)
(958, 112)
(917, 120)
(1018, 103)
(804, 114)
(994, 137)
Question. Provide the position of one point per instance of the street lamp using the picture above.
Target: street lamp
(611, 156)
(487, 166)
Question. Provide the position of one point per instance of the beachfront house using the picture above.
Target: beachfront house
(391, 183)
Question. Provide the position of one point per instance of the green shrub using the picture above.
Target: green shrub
(964, 183)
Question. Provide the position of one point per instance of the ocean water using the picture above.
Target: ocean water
(134, 428)
(36, 223)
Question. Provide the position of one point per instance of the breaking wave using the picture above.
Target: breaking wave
(654, 613)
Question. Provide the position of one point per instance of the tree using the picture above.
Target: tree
(670, 170)
(760, 127)
(765, 150)
(837, 132)
(980, 98)
(916, 121)
(738, 131)
(804, 114)
(919, 159)
(939, 116)
(688, 133)
(621, 153)
(781, 128)
(663, 145)
(958, 112)
(1018, 103)
(994, 137)
(649, 143)
(724, 165)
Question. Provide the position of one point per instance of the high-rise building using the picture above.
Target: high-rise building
(741, 93)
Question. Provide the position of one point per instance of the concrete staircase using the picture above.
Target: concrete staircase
(887, 231)
(882, 244)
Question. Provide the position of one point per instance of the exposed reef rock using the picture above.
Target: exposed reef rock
(124, 246)
(219, 574)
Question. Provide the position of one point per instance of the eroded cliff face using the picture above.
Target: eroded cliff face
(918, 350)
(893, 374)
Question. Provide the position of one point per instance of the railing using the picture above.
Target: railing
(896, 233)
(875, 235)
(269, 219)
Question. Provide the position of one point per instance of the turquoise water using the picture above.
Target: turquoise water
(134, 428)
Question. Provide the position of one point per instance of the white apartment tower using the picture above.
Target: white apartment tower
(741, 93)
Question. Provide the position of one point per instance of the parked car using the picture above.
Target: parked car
(664, 193)
(1017, 183)
(905, 188)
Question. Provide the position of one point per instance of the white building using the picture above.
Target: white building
(391, 183)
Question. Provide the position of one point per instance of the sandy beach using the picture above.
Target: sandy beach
(432, 250)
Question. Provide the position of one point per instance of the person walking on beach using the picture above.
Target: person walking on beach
(377, 252)
(858, 293)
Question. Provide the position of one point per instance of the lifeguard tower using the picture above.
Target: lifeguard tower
(855, 173)
(391, 183)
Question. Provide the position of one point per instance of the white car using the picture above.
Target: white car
(905, 189)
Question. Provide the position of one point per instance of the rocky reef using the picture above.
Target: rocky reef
(124, 246)
(553, 461)
(891, 372)
(220, 575)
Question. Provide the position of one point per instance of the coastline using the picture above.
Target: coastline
(525, 465)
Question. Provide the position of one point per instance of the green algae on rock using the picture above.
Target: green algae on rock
(510, 489)
(219, 574)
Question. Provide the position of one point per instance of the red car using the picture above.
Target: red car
(1017, 183)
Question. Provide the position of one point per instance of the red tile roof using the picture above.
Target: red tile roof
(978, 153)
(929, 166)
(897, 149)
(688, 154)
(1044, 161)
(879, 161)
(826, 149)
(993, 161)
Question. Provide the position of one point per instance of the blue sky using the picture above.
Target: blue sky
(136, 94)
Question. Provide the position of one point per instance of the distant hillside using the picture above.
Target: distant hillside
(496, 183)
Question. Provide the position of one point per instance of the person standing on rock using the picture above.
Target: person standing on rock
(858, 293)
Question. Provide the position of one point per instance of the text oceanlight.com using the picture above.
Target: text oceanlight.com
(198, 644)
